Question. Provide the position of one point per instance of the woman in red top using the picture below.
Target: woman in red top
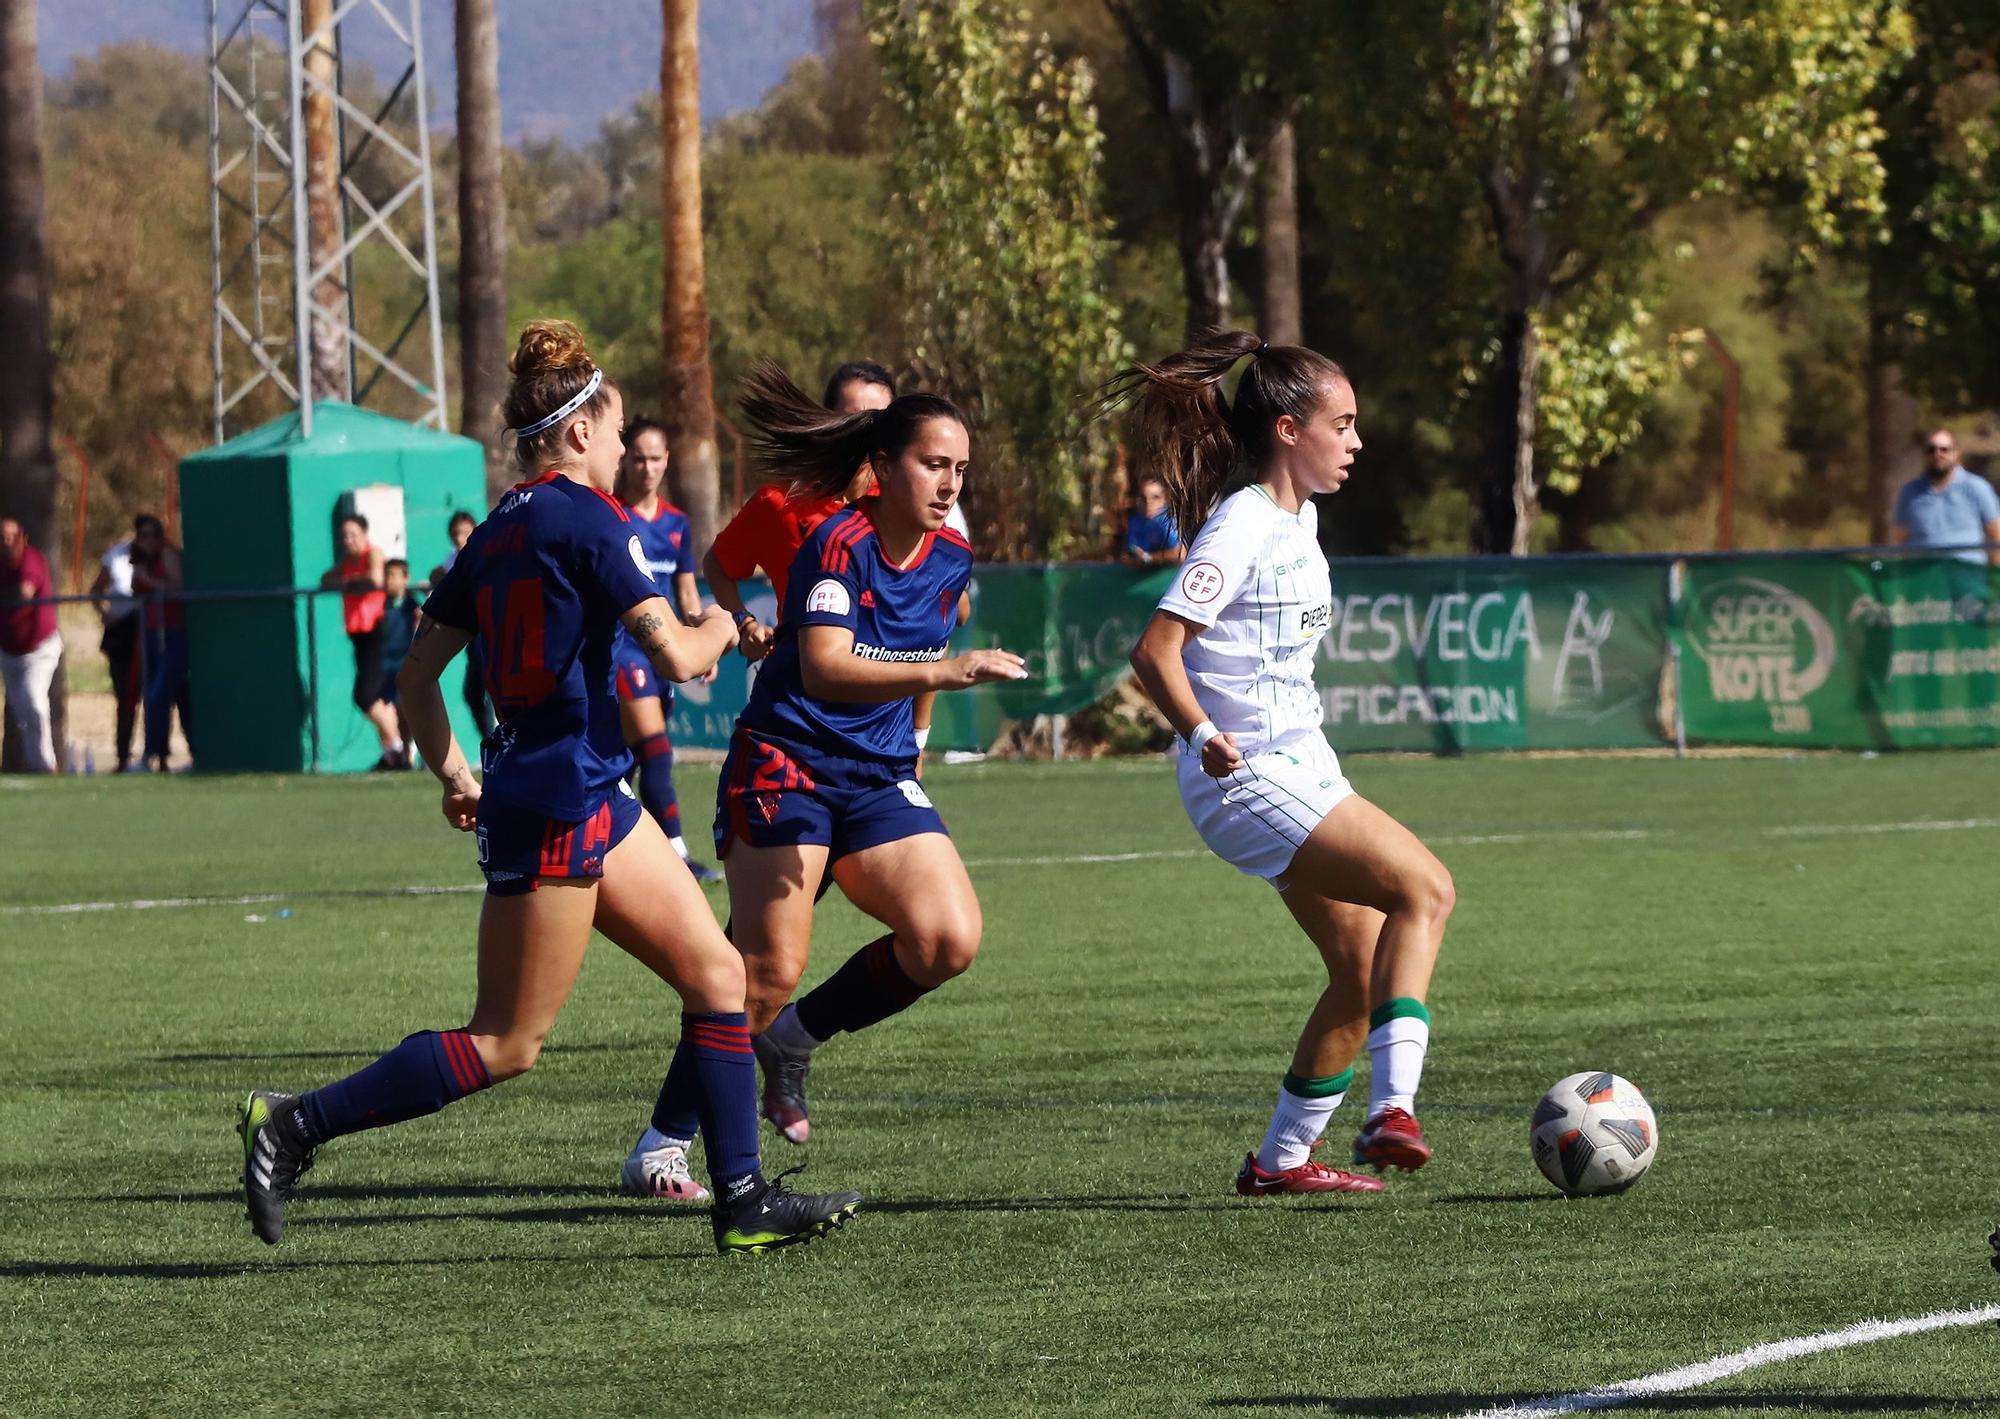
(768, 531)
(358, 574)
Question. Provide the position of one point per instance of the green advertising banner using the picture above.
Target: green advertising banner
(1849, 652)
(1424, 656)
(1450, 656)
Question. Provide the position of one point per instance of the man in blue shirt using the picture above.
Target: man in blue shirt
(1945, 506)
(1150, 535)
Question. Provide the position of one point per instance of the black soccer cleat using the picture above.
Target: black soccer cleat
(778, 1217)
(784, 1101)
(275, 1157)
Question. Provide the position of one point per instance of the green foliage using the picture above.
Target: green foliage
(1001, 251)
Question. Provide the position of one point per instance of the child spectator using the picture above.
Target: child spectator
(399, 628)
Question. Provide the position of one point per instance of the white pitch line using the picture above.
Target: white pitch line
(1584, 835)
(1722, 1367)
(1831, 830)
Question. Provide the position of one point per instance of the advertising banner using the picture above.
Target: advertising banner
(1450, 656)
(1847, 652)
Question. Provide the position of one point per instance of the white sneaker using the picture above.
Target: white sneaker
(663, 1172)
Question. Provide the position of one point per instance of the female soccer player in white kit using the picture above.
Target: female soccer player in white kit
(1228, 658)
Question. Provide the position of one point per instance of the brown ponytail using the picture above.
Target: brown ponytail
(551, 366)
(815, 449)
(1193, 439)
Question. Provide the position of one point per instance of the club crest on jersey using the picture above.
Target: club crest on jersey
(1202, 583)
(639, 557)
(829, 596)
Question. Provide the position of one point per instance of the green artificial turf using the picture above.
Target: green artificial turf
(1047, 1144)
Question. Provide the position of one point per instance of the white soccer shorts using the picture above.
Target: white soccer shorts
(1258, 817)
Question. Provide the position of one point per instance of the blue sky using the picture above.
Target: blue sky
(564, 64)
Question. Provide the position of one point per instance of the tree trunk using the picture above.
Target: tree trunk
(687, 403)
(1892, 419)
(323, 204)
(1280, 313)
(27, 392)
(482, 252)
(1508, 502)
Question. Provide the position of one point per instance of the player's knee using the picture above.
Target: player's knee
(716, 984)
(1433, 895)
(946, 943)
(509, 1056)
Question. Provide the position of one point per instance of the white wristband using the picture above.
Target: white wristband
(923, 738)
(1200, 736)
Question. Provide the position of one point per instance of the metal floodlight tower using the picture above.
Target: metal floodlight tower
(293, 203)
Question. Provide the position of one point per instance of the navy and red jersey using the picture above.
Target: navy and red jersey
(664, 542)
(542, 583)
(841, 577)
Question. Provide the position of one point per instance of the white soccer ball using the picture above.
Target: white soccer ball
(1593, 1133)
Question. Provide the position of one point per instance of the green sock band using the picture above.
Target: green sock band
(1302, 1088)
(1401, 1008)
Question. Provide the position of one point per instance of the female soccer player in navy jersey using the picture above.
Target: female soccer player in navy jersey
(543, 584)
(1228, 659)
(823, 764)
(645, 702)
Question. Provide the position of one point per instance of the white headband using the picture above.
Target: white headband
(549, 421)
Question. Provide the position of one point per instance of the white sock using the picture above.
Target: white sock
(1296, 1124)
(789, 1035)
(680, 846)
(1396, 1051)
(652, 1140)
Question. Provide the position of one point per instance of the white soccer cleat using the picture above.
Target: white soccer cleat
(662, 1172)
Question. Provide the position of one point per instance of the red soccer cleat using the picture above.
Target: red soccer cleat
(1309, 1176)
(1392, 1139)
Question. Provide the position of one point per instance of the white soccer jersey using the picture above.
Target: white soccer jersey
(1257, 580)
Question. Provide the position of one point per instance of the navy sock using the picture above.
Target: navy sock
(656, 782)
(714, 1078)
(419, 1076)
(870, 986)
(674, 1112)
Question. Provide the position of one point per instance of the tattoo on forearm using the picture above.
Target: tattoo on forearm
(648, 633)
(461, 778)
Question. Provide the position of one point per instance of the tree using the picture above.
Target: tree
(1586, 121)
(27, 394)
(482, 238)
(687, 400)
(1280, 314)
(1002, 252)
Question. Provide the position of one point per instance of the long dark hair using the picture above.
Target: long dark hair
(1200, 444)
(814, 449)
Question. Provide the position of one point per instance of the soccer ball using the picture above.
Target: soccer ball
(1593, 1133)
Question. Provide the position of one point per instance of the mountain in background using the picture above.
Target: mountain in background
(565, 65)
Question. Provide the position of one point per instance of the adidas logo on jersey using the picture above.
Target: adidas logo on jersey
(868, 599)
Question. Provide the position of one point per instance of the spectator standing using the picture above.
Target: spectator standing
(157, 581)
(123, 622)
(1945, 506)
(30, 646)
(359, 576)
(474, 687)
(399, 628)
(1151, 539)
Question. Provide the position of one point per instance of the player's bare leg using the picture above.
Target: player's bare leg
(1360, 854)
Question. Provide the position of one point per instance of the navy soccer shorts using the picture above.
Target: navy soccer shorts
(637, 680)
(775, 795)
(518, 847)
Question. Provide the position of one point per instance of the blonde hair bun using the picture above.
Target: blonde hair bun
(549, 347)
